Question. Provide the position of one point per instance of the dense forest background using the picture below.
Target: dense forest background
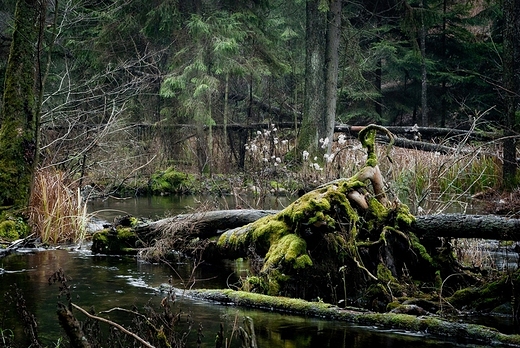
(128, 87)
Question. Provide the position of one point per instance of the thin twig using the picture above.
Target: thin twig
(116, 325)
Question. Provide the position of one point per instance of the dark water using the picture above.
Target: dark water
(107, 282)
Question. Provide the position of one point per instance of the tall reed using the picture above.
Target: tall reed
(57, 213)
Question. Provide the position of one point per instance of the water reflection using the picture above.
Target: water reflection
(105, 282)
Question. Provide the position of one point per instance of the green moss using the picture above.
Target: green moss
(13, 228)
(419, 247)
(121, 241)
(268, 230)
(8, 230)
(171, 181)
(289, 249)
(404, 217)
(384, 274)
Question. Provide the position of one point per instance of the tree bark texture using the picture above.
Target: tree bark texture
(18, 120)
(314, 102)
(332, 63)
(468, 226)
(510, 33)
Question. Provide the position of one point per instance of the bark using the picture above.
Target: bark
(427, 132)
(18, 120)
(468, 226)
(203, 225)
(332, 63)
(314, 100)
(509, 167)
(424, 73)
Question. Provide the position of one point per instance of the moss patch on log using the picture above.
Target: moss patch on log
(120, 241)
(456, 331)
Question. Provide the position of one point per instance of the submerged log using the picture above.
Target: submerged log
(433, 325)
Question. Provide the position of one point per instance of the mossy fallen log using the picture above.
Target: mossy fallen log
(213, 223)
(433, 325)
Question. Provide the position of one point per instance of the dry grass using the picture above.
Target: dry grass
(57, 212)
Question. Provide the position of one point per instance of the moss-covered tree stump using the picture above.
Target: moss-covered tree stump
(345, 241)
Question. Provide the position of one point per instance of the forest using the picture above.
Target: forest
(124, 88)
(364, 110)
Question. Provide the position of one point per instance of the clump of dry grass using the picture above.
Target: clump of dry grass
(57, 213)
(429, 182)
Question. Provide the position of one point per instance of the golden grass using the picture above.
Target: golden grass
(57, 213)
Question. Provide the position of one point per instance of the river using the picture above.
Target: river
(105, 282)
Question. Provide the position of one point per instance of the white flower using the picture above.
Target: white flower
(305, 155)
(254, 147)
(317, 166)
(315, 158)
(342, 139)
(266, 160)
(324, 142)
(285, 141)
(275, 141)
(278, 159)
(436, 154)
(274, 129)
(258, 132)
(330, 157)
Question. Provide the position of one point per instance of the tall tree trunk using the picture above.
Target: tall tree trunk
(424, 80)
(18, 121)
(314, 101)
(332, 63)
(511, 32)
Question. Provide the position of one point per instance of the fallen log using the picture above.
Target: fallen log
(208, 224)
(467, 226)
(434, 325)
(214, 223)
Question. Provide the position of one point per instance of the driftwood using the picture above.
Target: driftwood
(214, 223)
